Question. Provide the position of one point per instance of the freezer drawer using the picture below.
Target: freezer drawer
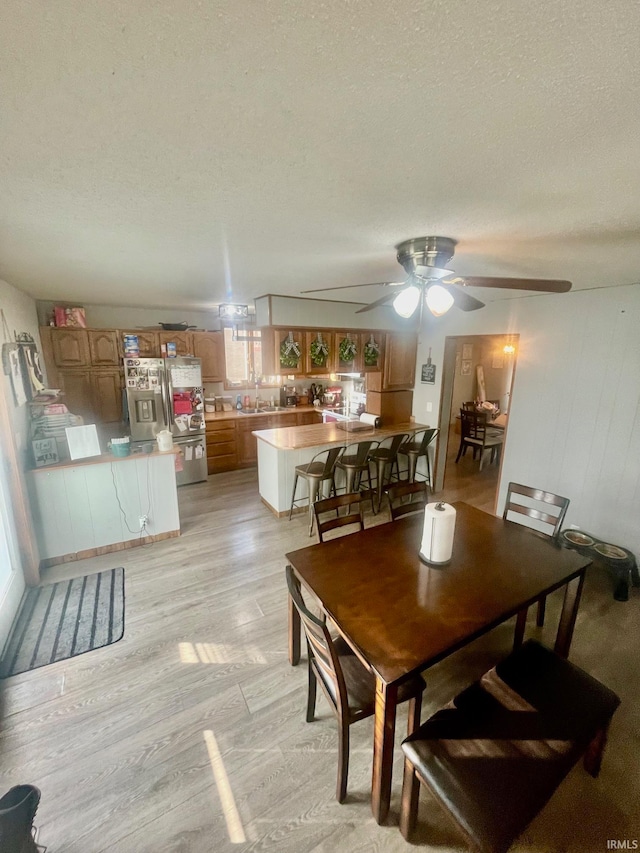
(193, 451)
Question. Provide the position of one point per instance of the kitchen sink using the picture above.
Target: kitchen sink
(266, 409)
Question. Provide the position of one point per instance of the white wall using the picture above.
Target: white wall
(574, 423)
(20, 313)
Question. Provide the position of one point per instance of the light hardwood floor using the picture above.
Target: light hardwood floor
(190, 735)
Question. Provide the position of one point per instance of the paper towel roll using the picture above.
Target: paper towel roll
(437, 533)
(372, 420)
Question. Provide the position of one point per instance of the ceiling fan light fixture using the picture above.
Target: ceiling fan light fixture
(439, 300)
(406, 301)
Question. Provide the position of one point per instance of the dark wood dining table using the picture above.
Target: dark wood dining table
(401, 616)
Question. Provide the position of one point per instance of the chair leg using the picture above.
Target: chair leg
(426, 456)
(343, 759)
(542, 603)
(409, 802)
(460, 450)
(481, 458)
(521, 623)
(314, 485)
(311, 694)
(595, 750)
(293, 496)
(413, 462)
(413, 718)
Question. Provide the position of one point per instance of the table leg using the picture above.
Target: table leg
(383, 738)
(572, 593)
(294, 632)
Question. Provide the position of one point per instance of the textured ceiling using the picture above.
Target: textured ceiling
(188, 153)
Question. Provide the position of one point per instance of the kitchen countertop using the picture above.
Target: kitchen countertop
(102, 459)
(315, 435)
(235, 415)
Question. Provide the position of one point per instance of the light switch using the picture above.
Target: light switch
(429, 407)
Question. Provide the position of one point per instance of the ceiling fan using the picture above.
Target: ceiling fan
(425, 259)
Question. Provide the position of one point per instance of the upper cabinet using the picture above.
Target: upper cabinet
(348, 352)
(148, 343)
(103, 347)
(182, 340)
(399, 361)
(319, 352)
(289, 352)
(209, 346)
(70, 347)
(372, 351)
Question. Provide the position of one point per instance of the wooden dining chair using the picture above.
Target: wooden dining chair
(542, 512)
(474, 434)
(349, 687)
(333, 505)
(398, 492)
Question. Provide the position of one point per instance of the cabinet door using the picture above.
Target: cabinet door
(148, 343)
(348, 352)
(289, 352)
(400, 361)
(247, 444)
(182, 340)
(319, 353)
(107, 395)
(372, 351)
(78, 393)
(209, 346)
(103, 346)
(70, 347)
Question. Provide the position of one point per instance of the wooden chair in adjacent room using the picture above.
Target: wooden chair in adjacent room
(349, 687)
(495, 754)
(354, 463)
(406, 498)
(385, 458)
(474, 434)
(417, 445)
(321, 469)
(541, 511)
(332, 506)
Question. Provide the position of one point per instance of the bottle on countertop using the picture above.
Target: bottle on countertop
(238, 402)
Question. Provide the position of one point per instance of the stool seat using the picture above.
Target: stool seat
(494, 756)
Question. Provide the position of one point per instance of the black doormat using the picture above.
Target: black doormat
(65, 619)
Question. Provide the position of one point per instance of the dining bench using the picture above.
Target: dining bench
(496, 753)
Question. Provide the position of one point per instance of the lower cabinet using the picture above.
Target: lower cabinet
(221, 446)
(95, 395)
(107, 395)
(248, 443)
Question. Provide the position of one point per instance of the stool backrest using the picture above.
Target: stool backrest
(425, 438)
(392, 444)
(357, 453)
(329, 458)
(544, 509)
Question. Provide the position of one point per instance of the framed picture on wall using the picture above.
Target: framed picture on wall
(467, 352)
(465, 368)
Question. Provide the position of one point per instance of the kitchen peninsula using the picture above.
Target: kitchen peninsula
(280, 450)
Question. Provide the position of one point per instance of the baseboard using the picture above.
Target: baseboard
(10, 604)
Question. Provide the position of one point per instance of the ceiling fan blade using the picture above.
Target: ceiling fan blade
(462, 300)
(382, 301)
(543, 285)
(347, 286)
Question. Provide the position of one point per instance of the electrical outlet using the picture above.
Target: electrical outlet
(143, 520)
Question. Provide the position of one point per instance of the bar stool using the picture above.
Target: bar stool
(354, 462)
(417, 446)
(321, 468)
(384, 456)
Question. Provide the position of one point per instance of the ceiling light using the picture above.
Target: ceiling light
(407, 300)
(439, 300)
(233, 310)
(508, 349)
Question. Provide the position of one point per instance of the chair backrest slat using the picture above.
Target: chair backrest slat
(539, 513)
(327, 505)
(417, 493)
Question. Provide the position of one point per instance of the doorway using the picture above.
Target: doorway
(475, 367)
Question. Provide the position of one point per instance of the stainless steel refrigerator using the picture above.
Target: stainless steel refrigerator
(167, 393)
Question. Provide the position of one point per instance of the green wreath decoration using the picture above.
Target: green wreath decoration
(319, 352)
(347, 350)
(371, 353)
(289, 352)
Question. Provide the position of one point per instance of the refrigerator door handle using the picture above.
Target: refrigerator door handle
(165, 406)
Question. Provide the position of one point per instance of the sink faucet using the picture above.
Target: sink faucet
(257, 396)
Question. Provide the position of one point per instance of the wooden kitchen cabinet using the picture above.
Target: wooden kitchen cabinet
(319, 352)
(247, 443)
(289, 345)
(306, 418)
(148, 343)
(107, 388)
(348, 352)
(182, 340)
(70, 347)
(399, 370)
(78, 392)
(103, 347)
(222, 453)
(209, 346)
(372, 344)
